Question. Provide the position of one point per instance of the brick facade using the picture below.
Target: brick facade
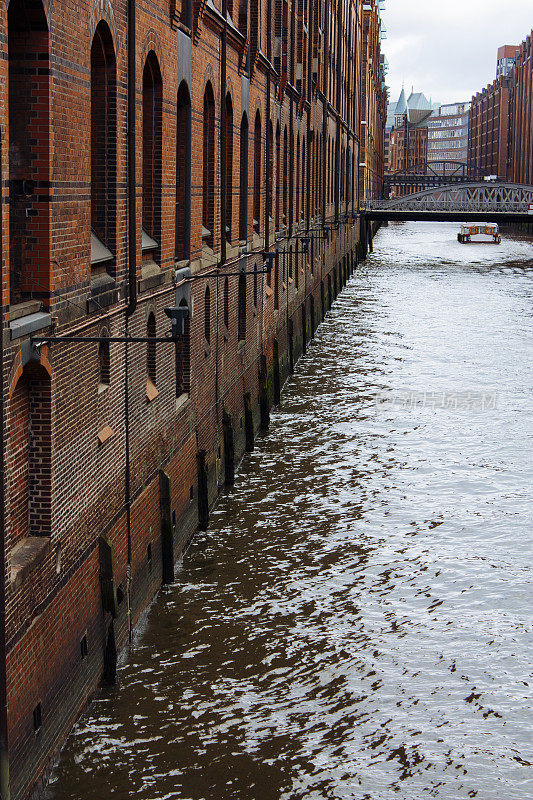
(489, 129)
(501, 129)
(83, 554)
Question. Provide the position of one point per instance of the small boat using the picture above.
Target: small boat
(480, 233)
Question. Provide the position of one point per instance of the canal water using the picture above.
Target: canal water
(356, 621)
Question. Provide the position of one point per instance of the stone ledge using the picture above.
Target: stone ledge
(26, 556)
(30, 324)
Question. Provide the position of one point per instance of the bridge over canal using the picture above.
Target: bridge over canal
(504, 203)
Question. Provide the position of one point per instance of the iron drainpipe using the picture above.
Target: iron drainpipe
(132, 281)
(4, 761)
(223, 122)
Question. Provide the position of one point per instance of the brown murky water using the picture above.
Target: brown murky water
(356, 621)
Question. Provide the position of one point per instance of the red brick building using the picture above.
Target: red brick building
(520, 148)
(501, 127)
(408, 138)
(373, 106)
(489, 129)
(150, 155)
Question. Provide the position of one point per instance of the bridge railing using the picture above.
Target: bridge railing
(447, 205)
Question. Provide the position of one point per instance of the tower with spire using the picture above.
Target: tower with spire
(400, 110)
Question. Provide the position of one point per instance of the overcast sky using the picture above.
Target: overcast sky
(447, 48)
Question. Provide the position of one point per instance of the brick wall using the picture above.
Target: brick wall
(66, 430)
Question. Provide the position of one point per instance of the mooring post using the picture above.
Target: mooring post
(229, 449)
(167, 532)
(291, 346)
(263, 393)
(203, 490)
(248, 423)
(109, 674)
(276, 372)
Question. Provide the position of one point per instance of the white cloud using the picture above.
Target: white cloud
(448, 50)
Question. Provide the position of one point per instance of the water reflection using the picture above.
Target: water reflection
(354, 623)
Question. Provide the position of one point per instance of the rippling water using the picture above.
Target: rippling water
(356, 621)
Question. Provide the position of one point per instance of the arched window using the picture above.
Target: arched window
(103, 147)
(303, 176)
(276, 282)
(29, 150)
(226, 302)
(285, 174)
(152, 156)
(270, 170)
(278, 174)
(104, 362)
(183, 174)
(298, 178)
(342, 176)
(229, 166)
(208, 168)
(183, 357)
(243, 185)
(151, 361)
(291, 176)
(348, 177)
(257, 173)
(328, 181)
(207, 315)
(242, 307)
(312, 160)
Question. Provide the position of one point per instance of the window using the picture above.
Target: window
(151, 363)
(242, 307)
(291, 176)
(243, 17)
(229, 165)
(349, 177)
(104, 362)
(298, 178)
(207, 315)
(186, 13)
(183, 357)
(183, 174)
(29, 151)
(243, 186)
(303, 177)
(255, 285)
(276, 282)
(270, 169)
(285, 174)
(257, 173)
(152, 153)
(37, 718)
(208, 168)
(278, 174)
(226, 303)
(103, 147)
